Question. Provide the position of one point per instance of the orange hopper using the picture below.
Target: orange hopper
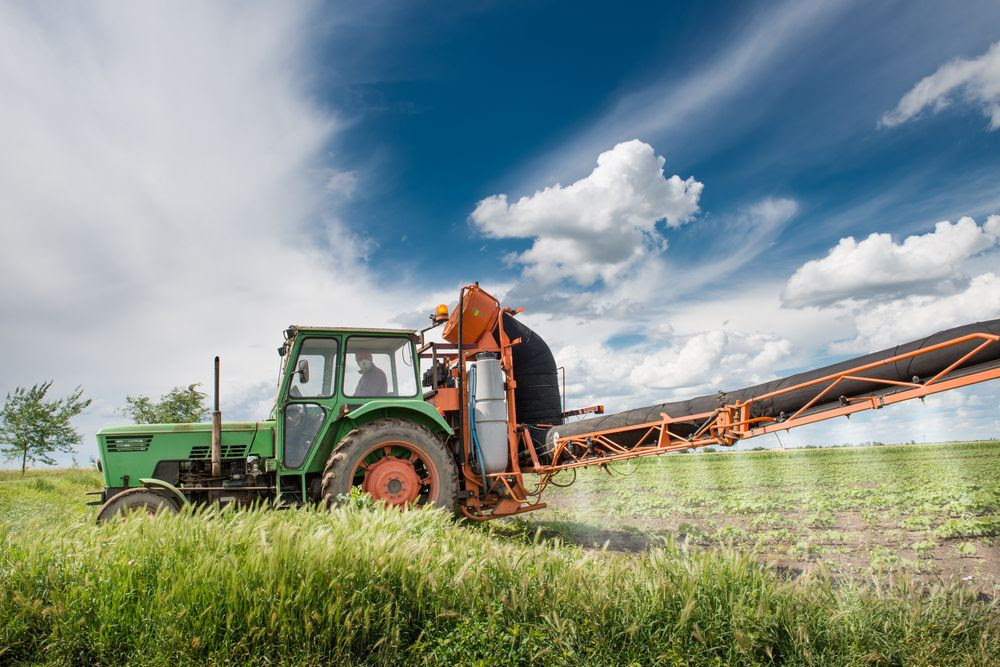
(479, 313)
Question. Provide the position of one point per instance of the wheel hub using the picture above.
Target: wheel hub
(393, 480)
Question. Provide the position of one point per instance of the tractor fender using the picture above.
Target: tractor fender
(150, 483)
(401, 410)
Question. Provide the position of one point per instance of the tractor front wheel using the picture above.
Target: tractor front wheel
(139, 499)
(393, 460)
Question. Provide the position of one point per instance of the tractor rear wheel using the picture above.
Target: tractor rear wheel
(393, 460)
(139, 499)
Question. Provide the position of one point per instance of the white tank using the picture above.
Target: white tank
(491, 413)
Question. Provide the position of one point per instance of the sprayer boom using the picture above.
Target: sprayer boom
(836, 391)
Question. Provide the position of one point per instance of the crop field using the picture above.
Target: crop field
(684, 578)
(929, 511)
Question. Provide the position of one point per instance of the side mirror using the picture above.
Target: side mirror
(303, 370)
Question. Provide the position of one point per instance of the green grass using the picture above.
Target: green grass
(366, 586)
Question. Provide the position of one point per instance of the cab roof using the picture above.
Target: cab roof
(407, 332)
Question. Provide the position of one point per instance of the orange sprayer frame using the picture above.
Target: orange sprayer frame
(505, 493)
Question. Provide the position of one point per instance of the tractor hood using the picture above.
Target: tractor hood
(196, 427)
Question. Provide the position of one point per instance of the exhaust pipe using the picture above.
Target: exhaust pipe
(216, 429)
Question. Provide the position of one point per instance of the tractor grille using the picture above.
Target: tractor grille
(230, 451)
(129, 443)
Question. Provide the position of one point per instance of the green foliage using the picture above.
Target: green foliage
(365, 585)
(883, 559)
(821, 520)
(973, 527)
(33, 428)
(803, 550)
(180, 405)
(966, 549)
(919, 522)
(924, 548)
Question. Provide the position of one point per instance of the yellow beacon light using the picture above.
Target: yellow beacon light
(441, 314)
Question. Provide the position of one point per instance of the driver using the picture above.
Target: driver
(372, 382)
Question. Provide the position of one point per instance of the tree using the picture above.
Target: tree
(32, 428)
(178, 406)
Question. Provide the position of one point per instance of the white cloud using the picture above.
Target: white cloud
(598, 226)
(878, 267)
(163, 198)
(975, 81)
(886, 324)
(711, 359)
(670, 367)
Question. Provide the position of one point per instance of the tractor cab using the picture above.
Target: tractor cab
(331, 380)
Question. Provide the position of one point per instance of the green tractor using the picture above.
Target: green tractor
(380, 411)
(349, 413)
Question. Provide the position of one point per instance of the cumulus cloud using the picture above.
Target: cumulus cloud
(711, 359)
(885, 324)
(878, 267)
(975, 81)
(598, 226)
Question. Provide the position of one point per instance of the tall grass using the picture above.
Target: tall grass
(365, 585)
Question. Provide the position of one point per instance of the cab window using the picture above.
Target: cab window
(321, 356)
(379, 366)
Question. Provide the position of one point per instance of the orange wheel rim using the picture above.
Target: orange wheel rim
(398, 473)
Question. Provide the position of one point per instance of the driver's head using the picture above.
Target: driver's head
(363, 359)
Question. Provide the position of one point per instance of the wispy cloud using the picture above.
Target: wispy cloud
(735, 240)
(975, 81)
(655, 109)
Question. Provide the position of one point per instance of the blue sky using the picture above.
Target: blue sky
(513, 97)
(181, 180)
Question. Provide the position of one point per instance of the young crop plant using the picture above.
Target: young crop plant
(966, 549)
(820, 520)
(916, 522)
(882, 559)
(731, 533)
(804, 550)
(924, 548)
(977, 527)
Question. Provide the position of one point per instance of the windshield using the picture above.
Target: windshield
(379, 366)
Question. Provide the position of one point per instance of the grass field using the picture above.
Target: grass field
(932, 511)
(367, 586)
